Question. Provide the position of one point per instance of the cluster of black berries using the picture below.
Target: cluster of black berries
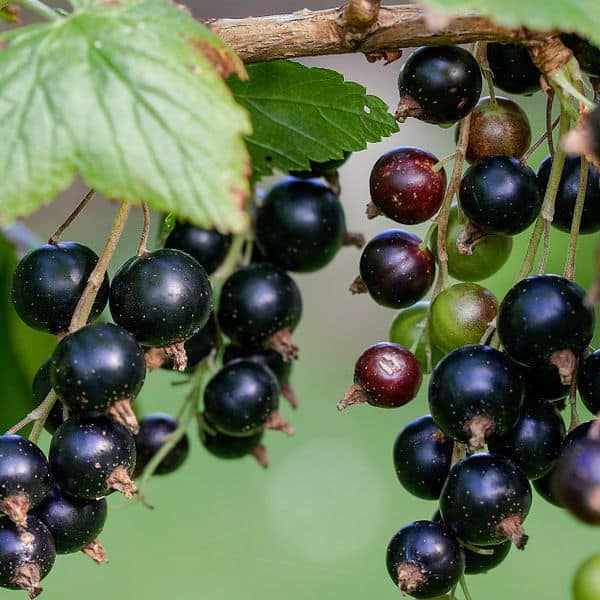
(479, 396)
(161, 303)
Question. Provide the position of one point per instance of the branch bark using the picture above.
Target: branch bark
(316, 33)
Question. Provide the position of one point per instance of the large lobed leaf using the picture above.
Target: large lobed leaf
(127, 94)
(578, 16)
(301, 114)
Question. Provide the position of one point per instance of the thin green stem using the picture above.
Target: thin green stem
(42, 412)
(464, 588)
(41, 9)
(576, 223)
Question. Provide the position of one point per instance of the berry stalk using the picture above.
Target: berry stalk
(143, 245)
(569, 272)
(69, 220)
(45, 11)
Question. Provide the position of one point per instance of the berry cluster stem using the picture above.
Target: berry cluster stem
(38, 7)
(569, 272)
(86, 302)
(464, 588)
(143, 245)
(69, 220)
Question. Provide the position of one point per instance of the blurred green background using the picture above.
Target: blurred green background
(316, 524)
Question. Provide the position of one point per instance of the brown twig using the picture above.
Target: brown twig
(56, 235)
(576, 222)
(143, 245)
(540, 141)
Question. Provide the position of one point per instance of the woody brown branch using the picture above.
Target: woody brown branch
(316, 33)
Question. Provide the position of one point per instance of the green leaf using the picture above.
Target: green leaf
(579, 16)
(23, 349)
(301, 114)
(130, 95)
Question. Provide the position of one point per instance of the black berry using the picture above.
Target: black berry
(500, 195)
(207, 246)
(488, 559)
(48, 283)
(424, 559)
(439, 84)
(228, 447)
(153, 433)
(93, 456)
(512, 68)
(422, 458)
(485, 500)
(588, 382)
(300, 225)
(587, 55)
(474, 393)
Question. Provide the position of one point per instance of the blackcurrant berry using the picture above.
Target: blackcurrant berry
(386, 375)
(472, 254)
(300, 225)
(407, 328)
(567, 194)
(260, 306)
(40, 388)
(48, 283)
(24, 477)
(162, 297)
(395, 269)
(485, 500)
(542, 382)
(500, 195)
(544, 319)
(475, 392)
(322, 169)
(423, 457)
(228, 447)
(535, 442)
(96, 366)
(153, 433)
(424, 559)
(26, 556)
(241, 398)
(271, 359)
(207, 246)
(499, 128)
(404, 186)
(512, 68)
(576, 480)
(439, 84)
(587, 55)
(460, 315)
(73, 522)
(588, 382)
(586, 583)
(92, 457)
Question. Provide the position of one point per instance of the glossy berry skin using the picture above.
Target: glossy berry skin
(23, 470)
(322, 169)
(271, 359)
(535, 442)
(406, 328)
(33, 546)
(161, 298)
(593, 126)
(500, 195)
(588, 382)
(488, 254)
(475, 392)
(389, 375)
(576, 480)
(567, 194)
(543, 382)
(543, 314)
(48, 283)
(476, 563)
(498, 130)
(300, 225)
(512, 68)
(207, 246)
(96, 366)
(461, 314)
(443, 82)
(73, 522)
(586, 582)
(395, 269)
(229, 447)
(480, 493)
(86, 450)
(239, 399)
(40, 388)
(434, 554)
(543, 486)
(587, 55)
(152, 435)
(404, 186)
(256, 302)
(198, 347)
(422, 458)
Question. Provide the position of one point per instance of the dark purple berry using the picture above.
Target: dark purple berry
(228, 447)
(588, 382)
(512, 68)
(586, 54)
(487, 559)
